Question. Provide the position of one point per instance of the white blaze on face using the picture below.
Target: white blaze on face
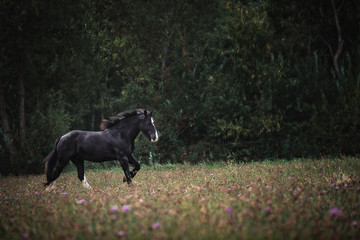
(156, 134)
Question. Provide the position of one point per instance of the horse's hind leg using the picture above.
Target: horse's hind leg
(81, 173)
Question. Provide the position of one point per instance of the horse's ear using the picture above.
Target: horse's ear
(147, 113)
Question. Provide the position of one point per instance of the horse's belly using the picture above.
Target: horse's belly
(98, 156)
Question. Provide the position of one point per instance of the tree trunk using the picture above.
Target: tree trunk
(9, 141)
(92, 119)
(340, 41)
(22, 108)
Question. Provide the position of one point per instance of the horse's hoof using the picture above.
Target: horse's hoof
(124, 179)
(50, 187)
(86, 184)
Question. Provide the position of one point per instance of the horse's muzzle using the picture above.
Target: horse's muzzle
(155, 140)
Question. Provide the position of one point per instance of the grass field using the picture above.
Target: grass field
(300, 199)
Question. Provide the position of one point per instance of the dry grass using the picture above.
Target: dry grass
(301, 199)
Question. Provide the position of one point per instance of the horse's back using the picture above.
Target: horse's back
(88, 145)
(69, 143)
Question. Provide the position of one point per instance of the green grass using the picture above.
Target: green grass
(300, 199)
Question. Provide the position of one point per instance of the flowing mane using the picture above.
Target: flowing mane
(112, 121)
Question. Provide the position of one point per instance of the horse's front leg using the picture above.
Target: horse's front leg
(124, 162)
(136, 165)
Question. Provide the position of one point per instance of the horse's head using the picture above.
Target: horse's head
(147, 126)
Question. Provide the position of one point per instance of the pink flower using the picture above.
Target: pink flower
(121, 233)
(354, 223)
(335, 212)
(25, 235)
(155, 225)
(36, 193)
(203, 199)
(81, 201)
(113, 217)
(228, 210)
(114, 208)
(126, 208)
(267, 209)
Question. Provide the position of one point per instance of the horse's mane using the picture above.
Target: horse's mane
(112, 121)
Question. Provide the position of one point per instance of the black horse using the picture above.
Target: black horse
(114, 142)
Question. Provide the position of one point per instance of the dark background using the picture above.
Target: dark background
(226, 80)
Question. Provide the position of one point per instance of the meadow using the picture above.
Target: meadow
(298, 199)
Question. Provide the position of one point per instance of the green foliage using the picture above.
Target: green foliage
(242, 80)
(49, 121)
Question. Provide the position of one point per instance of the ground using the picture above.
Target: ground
(299, 199)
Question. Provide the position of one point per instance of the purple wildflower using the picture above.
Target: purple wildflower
(126, 208)
(228, 210)
(354, 223)
(25, 235)
(267, 209)
(336, 212)
(81, 201)
(121, 233)
(114, 208)
(155, 225)
(113, 217)
(203, 199)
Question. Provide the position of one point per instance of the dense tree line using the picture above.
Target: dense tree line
(242, 80)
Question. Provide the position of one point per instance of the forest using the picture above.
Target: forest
(227, 80)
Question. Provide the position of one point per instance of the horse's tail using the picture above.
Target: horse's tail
(50, 162)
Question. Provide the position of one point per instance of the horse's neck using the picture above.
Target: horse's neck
(129, 129)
